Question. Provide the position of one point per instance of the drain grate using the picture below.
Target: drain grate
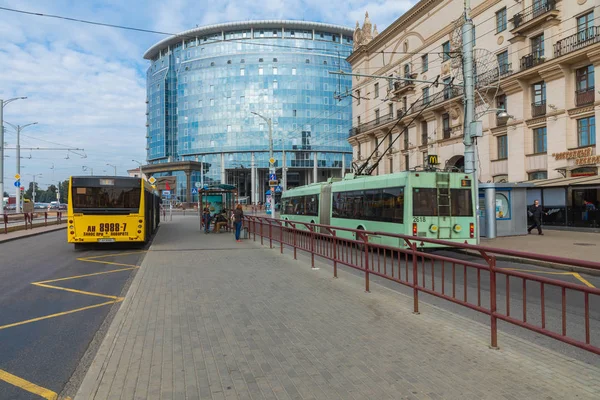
(584, 244)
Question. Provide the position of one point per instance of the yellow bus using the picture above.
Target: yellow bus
(111, 209)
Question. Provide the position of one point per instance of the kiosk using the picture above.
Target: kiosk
(503, 209)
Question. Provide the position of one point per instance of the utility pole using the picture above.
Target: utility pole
(19, 128)
(471, 128)
(271, 162)
(33, 191)
(3, 103)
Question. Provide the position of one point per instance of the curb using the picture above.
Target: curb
(538, 263)
(31, 234)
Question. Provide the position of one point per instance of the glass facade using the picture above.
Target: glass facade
(204, 85)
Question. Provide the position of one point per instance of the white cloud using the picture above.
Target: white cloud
(86, 84)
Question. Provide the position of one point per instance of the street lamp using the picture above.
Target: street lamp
(85, 168)
(33, 190)
(140, 164)
(19, 128)
(2, 104)
(271, 161)
(114, 166)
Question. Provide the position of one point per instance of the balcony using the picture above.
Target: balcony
(532, 60)
(577, 41)
(401, 87)
(534, 16)
(538, 109)
(490, 77)
(367, 126)
(584, 97)
(446, 132)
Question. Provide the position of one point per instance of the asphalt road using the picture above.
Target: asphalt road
(47, 352)
(553, 296)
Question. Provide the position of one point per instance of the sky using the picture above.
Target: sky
(85, 85)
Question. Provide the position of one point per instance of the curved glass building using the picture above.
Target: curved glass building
(205, 87)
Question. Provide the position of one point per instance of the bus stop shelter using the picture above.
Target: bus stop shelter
(217, 198)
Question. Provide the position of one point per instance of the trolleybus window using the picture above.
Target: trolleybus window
(106, 198)
(302, 205)
(462, 205)
(425, 202)
(386, 205)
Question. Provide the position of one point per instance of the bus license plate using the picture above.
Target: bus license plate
(105, 240)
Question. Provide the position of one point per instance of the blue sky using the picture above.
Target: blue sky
(86, 84)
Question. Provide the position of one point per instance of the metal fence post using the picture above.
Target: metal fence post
(295, 247)
(270, 235)
(261, 232)
(493, 319)
(334, 254)
(312, 247)
(366, 249)
(45, 218)
(413, 246)
(281, 238)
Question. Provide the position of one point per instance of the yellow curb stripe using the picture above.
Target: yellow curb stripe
(59, 314)
(108, 263)
(28, 386)
(76, 291)
(86, 275)
(582, 279)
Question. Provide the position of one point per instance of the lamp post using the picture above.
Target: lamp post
(271, 161)
(85, 168)
(140, 164)
(19, 128)
(2, 104)
(114, 166)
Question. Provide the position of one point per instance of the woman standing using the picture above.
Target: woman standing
(238, 216)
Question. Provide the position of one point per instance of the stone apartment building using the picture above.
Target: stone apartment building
(537, 60)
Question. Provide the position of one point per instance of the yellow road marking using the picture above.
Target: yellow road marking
(59, 314)
(107, 262)
(28, 386)
(86, 275)
(112, 255)
(582, 279)
(574, 274)
(76, 291)
(537, 270)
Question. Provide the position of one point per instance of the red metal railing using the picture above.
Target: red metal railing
(480, 286)
(29, 219)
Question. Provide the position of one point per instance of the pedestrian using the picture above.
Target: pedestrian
(536, 213)
(206, 219)
(238, 216)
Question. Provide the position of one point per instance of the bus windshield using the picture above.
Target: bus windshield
(112, 198)
(425, 202)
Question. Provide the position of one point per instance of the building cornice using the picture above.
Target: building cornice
(577, 111)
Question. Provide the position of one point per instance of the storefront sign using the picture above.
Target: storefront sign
(588, 160)
(573, 154)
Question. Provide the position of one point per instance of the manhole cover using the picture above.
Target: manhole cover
(584, 244)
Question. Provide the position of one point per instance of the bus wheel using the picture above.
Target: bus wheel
(359, 246)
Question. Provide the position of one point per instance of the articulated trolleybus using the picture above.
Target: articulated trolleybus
(111, 209)
(428, 204)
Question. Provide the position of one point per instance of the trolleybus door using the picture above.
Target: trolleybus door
(444, 222)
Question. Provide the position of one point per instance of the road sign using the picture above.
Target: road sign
(17, 183)
(205, 186)
(198, 184)
(152, 180)
(17, 176)
(272, 177)
(278, 189)
(166, 193)
(194, 190)
(272, 160)
(273, 183)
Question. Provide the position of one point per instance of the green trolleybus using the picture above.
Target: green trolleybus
(428, 204)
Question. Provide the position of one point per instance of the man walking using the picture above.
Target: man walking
(238, 217)
(536, 213)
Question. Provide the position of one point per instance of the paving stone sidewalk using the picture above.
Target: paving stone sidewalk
(209, 318)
